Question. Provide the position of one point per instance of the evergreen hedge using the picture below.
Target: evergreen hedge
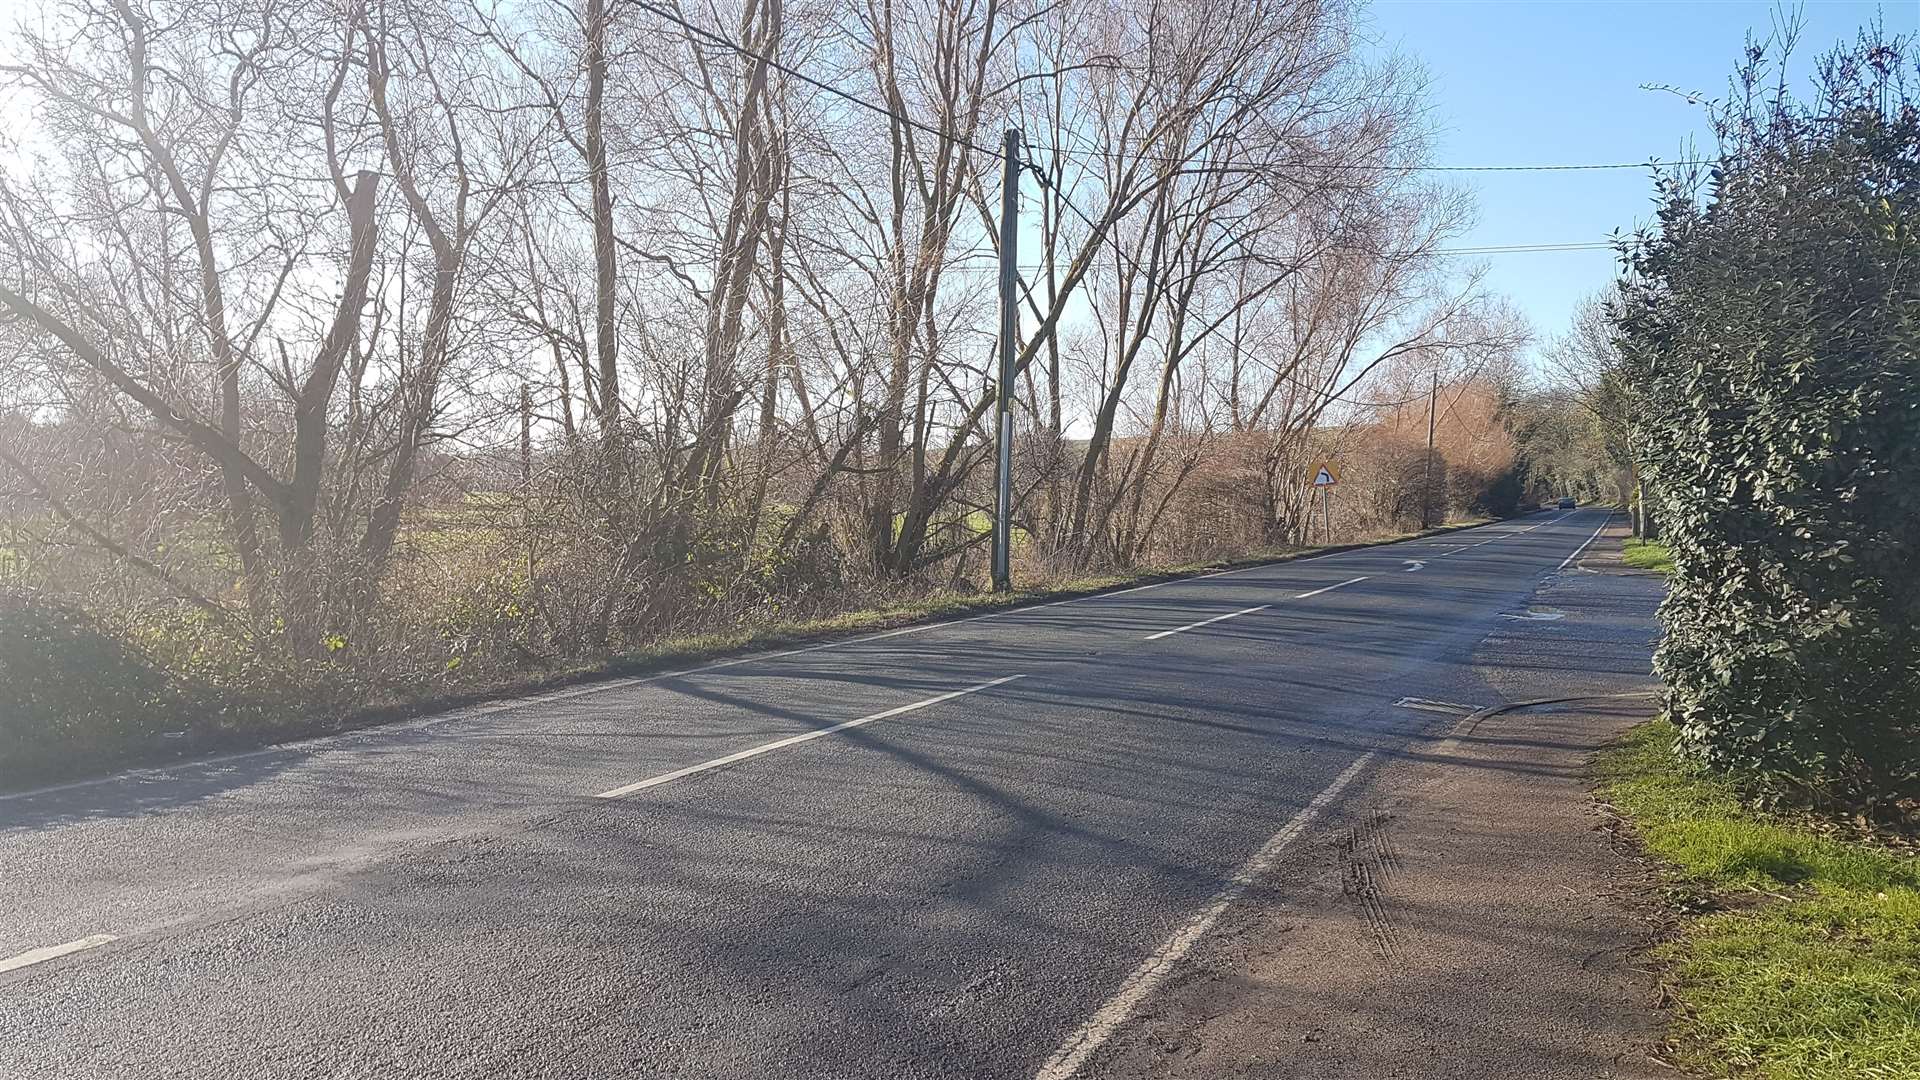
(1770, 328)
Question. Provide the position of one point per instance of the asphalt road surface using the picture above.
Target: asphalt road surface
(973, 849)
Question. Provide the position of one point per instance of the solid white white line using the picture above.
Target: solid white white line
(1330, 588)
(36, 956)
(1583, 546)
(1206, 622)
(795, 740)
(1158, 966)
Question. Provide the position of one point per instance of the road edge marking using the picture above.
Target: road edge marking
(1154, 971)
(54, 952)
(795, 740)
(1608, 520)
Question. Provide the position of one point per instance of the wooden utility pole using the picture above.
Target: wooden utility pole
(526, 476)
(1003, 387)
(1426, 478)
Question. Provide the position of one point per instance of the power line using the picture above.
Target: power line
(792, 72)
(1135, 267)
(882, 110)
(1512, 249)
(1487, 249)
(1093, 150)
(1357, 166)
(726, 42)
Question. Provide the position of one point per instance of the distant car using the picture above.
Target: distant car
(1566, 502)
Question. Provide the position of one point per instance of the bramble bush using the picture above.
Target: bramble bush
(1770, 328)
(69, 687)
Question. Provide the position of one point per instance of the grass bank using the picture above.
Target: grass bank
(1648, 555)
(1798, 951)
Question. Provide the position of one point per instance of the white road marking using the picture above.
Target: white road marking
(795, 740)
(1206, 622)
(1583, 546)
(1330, 588)
(37, 956)
(1467, 547)
(1502, 536)
(1430, 705)
(1415, 564)
(1158, 966)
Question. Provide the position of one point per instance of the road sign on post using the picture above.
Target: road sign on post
(1325, 476)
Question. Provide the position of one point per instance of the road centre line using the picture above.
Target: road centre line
(1247, 611)
(51, 952)
(1360, 549)
(1502, 536)
(1154, 971)
(611, 685)
(795, 740)
(1330, 588)
(1206, 622)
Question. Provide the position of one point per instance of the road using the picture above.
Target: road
(975, 849)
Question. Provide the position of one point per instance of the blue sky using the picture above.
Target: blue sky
(1559, 82)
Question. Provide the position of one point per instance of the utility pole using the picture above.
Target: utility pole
(1003, 385)
(1426, 479)
(526, 476)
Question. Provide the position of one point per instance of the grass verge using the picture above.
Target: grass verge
(1800, 955)
(1648, 555)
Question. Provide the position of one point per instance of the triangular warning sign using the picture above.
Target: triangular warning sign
(1325, 475)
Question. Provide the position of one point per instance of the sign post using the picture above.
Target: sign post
(1325, 477)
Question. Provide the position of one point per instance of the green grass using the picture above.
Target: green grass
(1810, 967)
(1648, 555)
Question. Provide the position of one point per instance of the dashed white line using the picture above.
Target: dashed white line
(1245, 611)
(1549, 521)
(1330, 588)
(52, 952)
(1158, 966)
(1469, 547)
(1207, 622)
(795, 740)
